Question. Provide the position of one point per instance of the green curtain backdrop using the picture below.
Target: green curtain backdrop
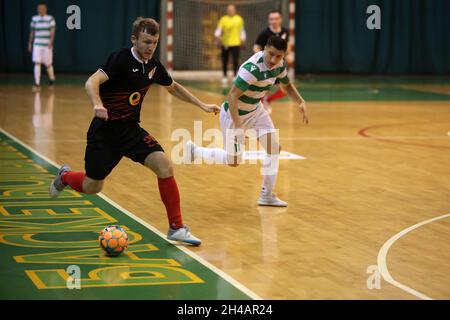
(332, 37)
(105, 27)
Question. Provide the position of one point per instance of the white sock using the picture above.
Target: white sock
(269, 172)
(51, 73)
(211, 155)
(37, 73)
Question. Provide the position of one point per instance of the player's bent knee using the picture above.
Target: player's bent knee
(165, 171)
(169, 170)
(159, 164)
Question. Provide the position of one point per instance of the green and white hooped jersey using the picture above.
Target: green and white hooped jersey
(256, 79)
(42, 25)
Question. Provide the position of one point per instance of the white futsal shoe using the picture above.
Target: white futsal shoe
(183, 235)
(266, 199)
(56, 186)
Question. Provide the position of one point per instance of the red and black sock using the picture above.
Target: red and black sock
(74, 180)
(170, 196)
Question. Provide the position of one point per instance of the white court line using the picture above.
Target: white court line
(260, 155)
(382, 266)
(219, 272)
(296, 138)
(334, 138)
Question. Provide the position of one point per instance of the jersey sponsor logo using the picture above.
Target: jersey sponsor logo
(134, 98)
(135, 70)
(283, 36)
(151, 73)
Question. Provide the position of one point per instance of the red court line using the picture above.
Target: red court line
(363, 132)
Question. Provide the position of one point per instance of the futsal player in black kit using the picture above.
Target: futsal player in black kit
(116, 91)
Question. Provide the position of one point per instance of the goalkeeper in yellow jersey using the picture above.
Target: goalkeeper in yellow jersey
(231, 33)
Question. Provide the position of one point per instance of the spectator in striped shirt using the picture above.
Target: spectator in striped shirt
(42, 35)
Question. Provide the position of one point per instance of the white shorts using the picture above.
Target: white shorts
(259, 120)
(43, 54)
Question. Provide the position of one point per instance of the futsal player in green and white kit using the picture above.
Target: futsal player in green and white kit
(243, 111)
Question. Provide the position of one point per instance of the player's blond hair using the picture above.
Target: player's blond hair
(147, 25)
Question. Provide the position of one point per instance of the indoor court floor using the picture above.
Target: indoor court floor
(371, 189)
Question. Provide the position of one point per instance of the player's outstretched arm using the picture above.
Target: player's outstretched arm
(293, 93)
(182, 93)
(92, 87)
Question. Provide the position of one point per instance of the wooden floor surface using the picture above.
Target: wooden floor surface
(372, 170)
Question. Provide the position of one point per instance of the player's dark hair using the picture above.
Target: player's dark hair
(274, 11)
(147, 25)
(277, 42)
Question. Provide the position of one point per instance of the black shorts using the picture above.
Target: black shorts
(109, 141)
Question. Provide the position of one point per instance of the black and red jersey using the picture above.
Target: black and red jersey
(264, 36)
(129, 79)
